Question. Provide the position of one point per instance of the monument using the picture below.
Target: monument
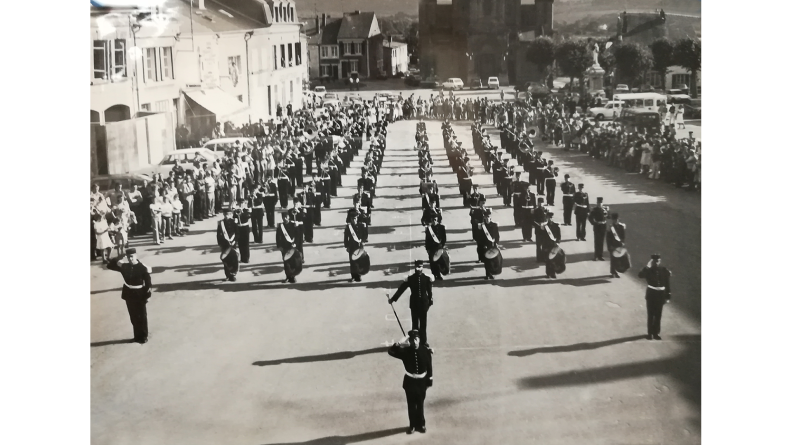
(595, 73)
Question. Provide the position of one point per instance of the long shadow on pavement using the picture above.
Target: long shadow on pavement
(344, 355)
(575, 347)
(344, 440)
(112, 342)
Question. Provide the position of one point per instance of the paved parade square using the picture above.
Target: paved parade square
(520, 359)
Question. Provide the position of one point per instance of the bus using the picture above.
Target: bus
(640, 121)
(642, 101)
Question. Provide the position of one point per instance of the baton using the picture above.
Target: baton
(394, 313)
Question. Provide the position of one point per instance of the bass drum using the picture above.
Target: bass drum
(494, 260)
(621, 259)
(360, 262)
(440, 257)
(292, 262)
(558, 258)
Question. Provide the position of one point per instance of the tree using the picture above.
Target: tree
(663, 55)
(541, 51)
(687, 54)
(632, 61)
(574, 58)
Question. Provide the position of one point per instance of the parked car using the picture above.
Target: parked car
(330, 99)
(621, 88)
(537, 90)
(611, 110)
(678, 99)
(493, 83)
(223, 144)
(320, 91)
(107, 182)
(453, 83)
(474, 83)
(186, 156)
(413, 78)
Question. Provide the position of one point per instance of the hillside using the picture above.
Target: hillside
(305, 8)
(571, 11)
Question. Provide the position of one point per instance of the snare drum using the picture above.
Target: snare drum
(558, 258)
(440, 257)
(621, 259)
(494, 260)
(359, 262)
(292, 262)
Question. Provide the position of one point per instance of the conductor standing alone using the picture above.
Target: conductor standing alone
(420, 287)
(417, 360)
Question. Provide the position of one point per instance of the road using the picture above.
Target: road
(521, 359)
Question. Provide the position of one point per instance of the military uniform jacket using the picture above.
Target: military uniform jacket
(416, 361)
(226, 238)
(428, 199)
(284, 240)
(134, 275)
(581, 203)
(567, 188)
(350, 232)
(440, 234)
(658, 281)
(492, 228)
(420, 286)
(598, 216)
(616, 236)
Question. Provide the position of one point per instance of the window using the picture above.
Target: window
(274, 57)
(145, 107)
(324, 70)
(158, 64)
(298, 52)
(353, 66)
(283, 55)
(109, 59)
(323, 52)
(347, 48)
(356, 48)
(291, 55)
(678, 80)
(161, 106)
(234, 63)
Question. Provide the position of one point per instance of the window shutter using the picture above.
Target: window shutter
(341, 49)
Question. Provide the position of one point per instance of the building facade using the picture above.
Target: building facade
(342, 47)
(395, 57)
(476, 39)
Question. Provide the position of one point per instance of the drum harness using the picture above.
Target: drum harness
(432, 234)
(354, 235)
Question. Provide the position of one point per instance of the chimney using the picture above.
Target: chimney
(317, 21)
(201, 4)
(324, 20)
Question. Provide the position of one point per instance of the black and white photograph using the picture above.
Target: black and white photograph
(284, 193)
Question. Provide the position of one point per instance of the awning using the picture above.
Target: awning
(222, 104)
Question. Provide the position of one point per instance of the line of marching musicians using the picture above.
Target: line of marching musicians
(298, 222)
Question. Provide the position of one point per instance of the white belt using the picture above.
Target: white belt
(581, 205)
(140, 286)
(415, 376)
(566, 194)
(656, 288)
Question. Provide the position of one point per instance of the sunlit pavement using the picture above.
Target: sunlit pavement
(521, 359)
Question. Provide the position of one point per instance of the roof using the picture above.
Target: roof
(220, 15)
(388, 44)
(356, 25)
(327, 35)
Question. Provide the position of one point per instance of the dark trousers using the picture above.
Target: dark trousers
(540, 186)
(139, 318)
(308, 227)
(198, 207)
(257, 221)
(415, 404)
(419, 322)
(654, 312)
(580, 226)
(231, 265)
(269, 207)
(550, 269)
(569, 205)
(599, 239)
(551, 189)
(93, 241)
(317, 214)
(243, 238)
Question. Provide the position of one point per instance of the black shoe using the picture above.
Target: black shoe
(422, 430)
(358, 280)
(232, 279)
(583, 239)
(649, 337)
(292, 280)
(656, 337)
(410, 430)
(615, 275)
(601, 259)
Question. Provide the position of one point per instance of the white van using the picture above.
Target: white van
(611, 110)
(644, 101)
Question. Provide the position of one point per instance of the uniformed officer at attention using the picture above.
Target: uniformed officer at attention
(417, 360)
(581, 213)
(421, 300)
(658, 293)
(568, 192)
(599, 222)
(136, 291)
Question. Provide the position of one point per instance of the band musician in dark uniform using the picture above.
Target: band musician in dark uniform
(353, 240)
(435, 239)
(136, 291)
(549, 237)
(581, 213)
(658, 293)
(417, 360)
(568, 192)
(617, 233)
(226, 239)
(421, 300)
(599, 222)
(286, 235)
(488, 237)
